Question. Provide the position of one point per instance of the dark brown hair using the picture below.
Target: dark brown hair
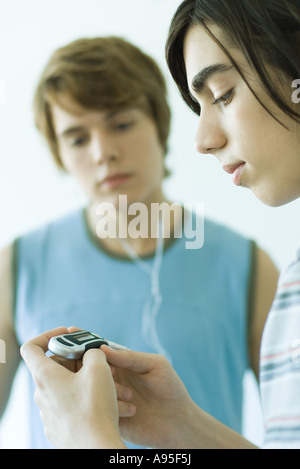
(105, 73)
(266, 31)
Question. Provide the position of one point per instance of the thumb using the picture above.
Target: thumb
(95, 359)
(138, 362)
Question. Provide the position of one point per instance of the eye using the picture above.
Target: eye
(225, 99)
(78, 142)
(124, 125)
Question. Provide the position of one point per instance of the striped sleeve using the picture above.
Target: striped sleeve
(280, 364)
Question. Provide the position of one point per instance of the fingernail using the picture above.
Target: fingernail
(131, 409)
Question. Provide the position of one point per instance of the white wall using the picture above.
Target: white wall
(31, 189)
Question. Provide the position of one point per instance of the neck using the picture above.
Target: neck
(138, 224)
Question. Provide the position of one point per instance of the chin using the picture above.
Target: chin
(274, 200)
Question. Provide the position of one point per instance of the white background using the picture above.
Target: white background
(32, 191)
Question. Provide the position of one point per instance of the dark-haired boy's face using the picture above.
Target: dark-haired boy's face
(250, 144)
(110, 153)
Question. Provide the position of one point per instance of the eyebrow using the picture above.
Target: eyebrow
(71, 131)
(200, 80)
(74, 130)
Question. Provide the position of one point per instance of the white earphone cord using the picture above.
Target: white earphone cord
(152, 305)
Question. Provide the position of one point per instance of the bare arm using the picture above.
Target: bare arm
(7, 333)
(265, 285)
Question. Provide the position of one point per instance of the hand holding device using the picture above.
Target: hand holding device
(73, 345)
(64, 393)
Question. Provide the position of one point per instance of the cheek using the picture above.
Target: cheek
(146, 150)
(248, 128)
(73, 164)
(66, 159)
(80, 173)
(139, 142)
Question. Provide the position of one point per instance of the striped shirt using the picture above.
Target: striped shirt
(280, 364)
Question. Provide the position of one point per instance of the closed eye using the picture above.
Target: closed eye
(225, 99)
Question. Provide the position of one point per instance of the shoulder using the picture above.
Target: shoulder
(223, 248)
(34, 250)
(214, 231)
(294, 267)
(226, 240)
(288, 291)
(290, 275)
(60, 227)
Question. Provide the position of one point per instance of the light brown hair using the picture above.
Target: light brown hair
(105, 73)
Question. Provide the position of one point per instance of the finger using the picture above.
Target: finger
(74, 329)
(72, 365)
(95, 357)
(123, 393)
(33, 351)
(126, 410)
(42, 340)
(139, 362)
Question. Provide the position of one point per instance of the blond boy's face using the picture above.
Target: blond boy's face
(110, 153)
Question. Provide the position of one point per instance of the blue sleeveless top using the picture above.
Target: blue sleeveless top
(63, 277)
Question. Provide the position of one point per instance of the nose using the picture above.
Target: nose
(210, 136)
(103, 149)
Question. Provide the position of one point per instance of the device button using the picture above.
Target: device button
(95, 344)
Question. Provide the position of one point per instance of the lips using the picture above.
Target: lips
(237, 171)
(230, 168)
(116, 179)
